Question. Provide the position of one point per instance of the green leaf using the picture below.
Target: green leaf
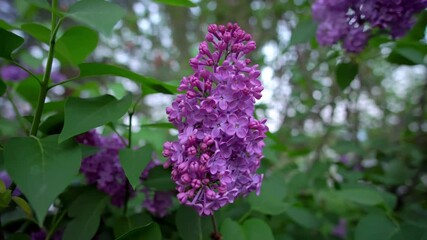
(179, 3)
(41, 168)
(24, 206)
(37, 31)
(100, 69)
(76, 44)
(86, 211)
(19, 236)
(82, 115)
(345, 73)
(9, 42)
(256, 229)
(159, 125)
(124, 224)
(5, 198)
(270, 201)
(374, 227)
(40, 3)
(159, 179)
(191, 226)
(303, 217)
(98, 14)
(408, 53)
(303, 32)
(2, 87)
(28, 89)
(2, 187)
(5, 25)
(363, 196)
(134, 162)
(150, 232)
(231, 230)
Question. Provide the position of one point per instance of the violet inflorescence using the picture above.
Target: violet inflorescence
(220, 143)
(103, 168)
(352, 21)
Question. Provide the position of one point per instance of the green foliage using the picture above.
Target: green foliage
(191, 226)
(86, 212)
(270, 201)
(365, 196)
(345, 73)
(152, 231)
(98, 14)
(23, 205)
(99, 69)
(37, 31)
(9, 42)
(373, 227)
(303, 217)
(231, 230)
(81, 115)
(159, 179)
(179, 3)
(125, 224)
(41, 168)
(2, 87)
(76, 44)
(257, 229)
(303, 32)
(134, 162)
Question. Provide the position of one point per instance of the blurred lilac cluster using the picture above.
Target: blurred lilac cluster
(103, 168)
(220, 143)
(5, 178)
(157, 203)
(351, 21)
(41, 235)
(16, 74)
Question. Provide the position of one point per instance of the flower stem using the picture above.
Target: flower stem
(46, 77)
(216, 235)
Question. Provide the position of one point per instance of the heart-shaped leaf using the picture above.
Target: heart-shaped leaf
(76, 44)
(41, 168)
(134, 162)
(81, 115)
(98, 14)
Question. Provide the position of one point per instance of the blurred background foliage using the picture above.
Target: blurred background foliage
(346, 156)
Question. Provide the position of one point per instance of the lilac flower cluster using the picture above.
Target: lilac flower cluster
(157, 203)
(220, 143)
(13, 73)
(41, 235)
(103, 168)
(351, 21)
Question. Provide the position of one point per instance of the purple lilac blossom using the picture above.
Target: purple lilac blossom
(13, 73)
(157, 203)
(220, 143)
(103, 168)
(41, 235)
(5, 178)
(340, 230)
(351, 21)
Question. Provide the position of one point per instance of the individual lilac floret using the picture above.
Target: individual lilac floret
(351, 21)
(220, 143)
(4, 176)
(13, 73)
(103, 168)
(157, 203)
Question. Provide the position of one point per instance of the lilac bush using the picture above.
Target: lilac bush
(220, 143)
(352, 21)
